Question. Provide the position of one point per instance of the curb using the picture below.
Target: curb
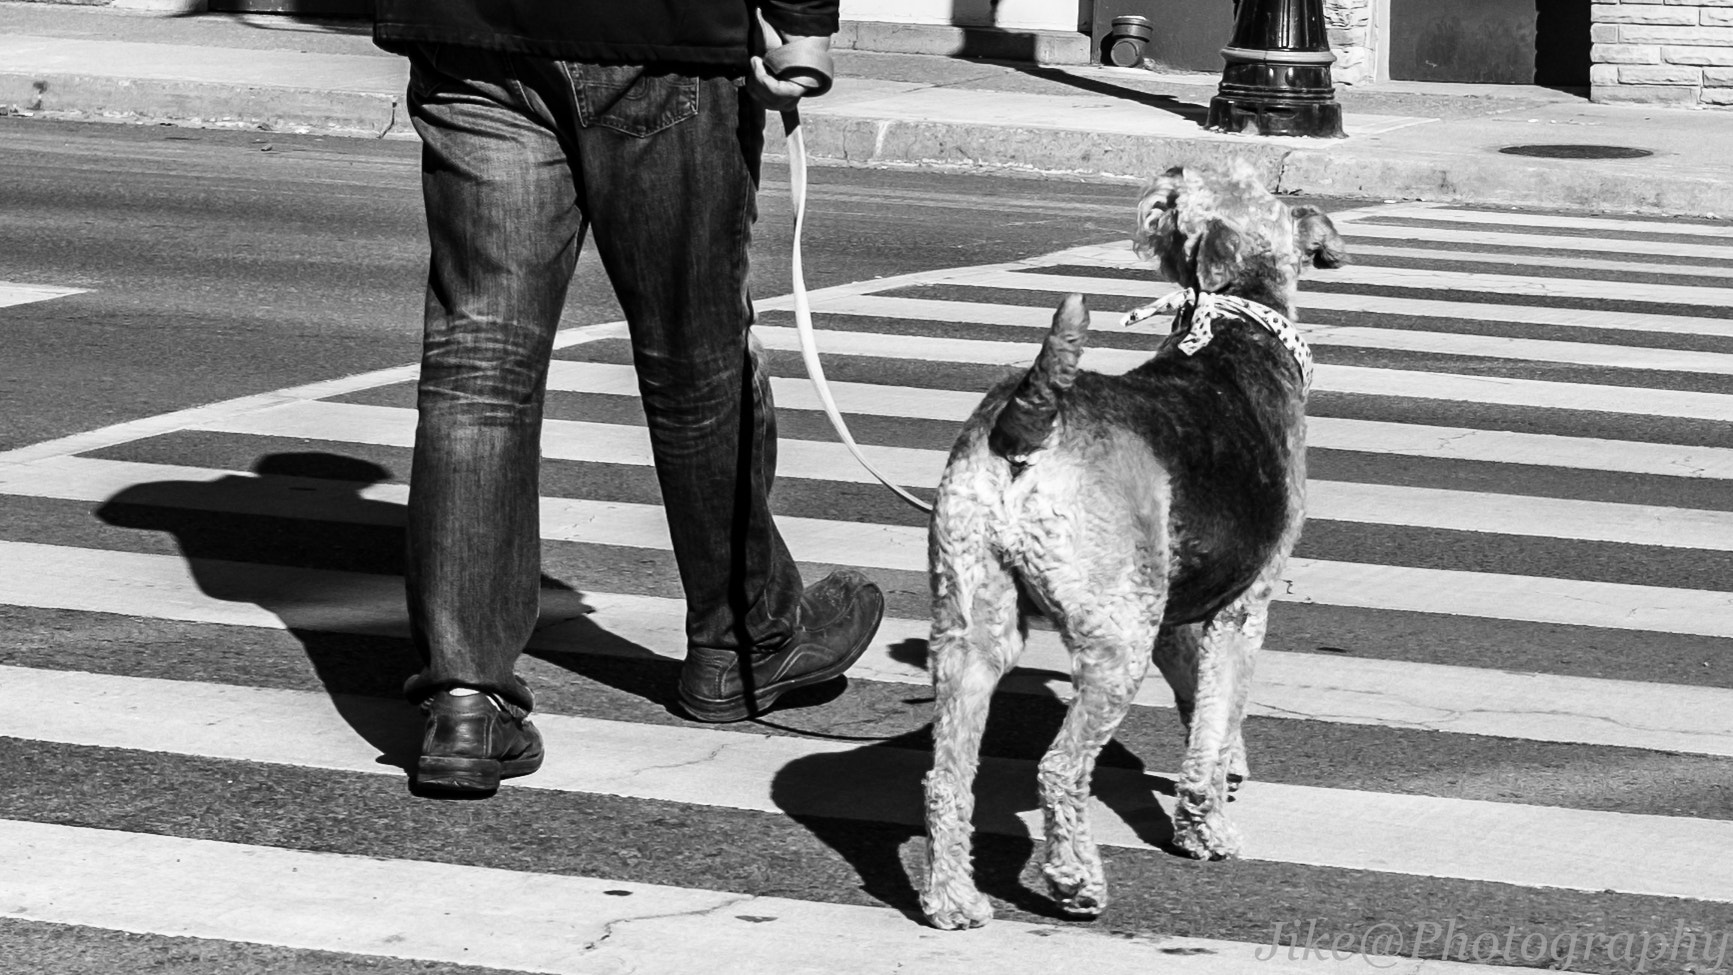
(883, 142)
(1489, 177)
(1485, 177)
(302, 111)
(295, 110)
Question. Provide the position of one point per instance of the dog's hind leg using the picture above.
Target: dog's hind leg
(1222, 675)
(1176, 653)
(1110, 652)
(977, 635)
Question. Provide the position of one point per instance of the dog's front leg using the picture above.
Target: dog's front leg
(976, 637)
(1222, 678)
(1107, 666)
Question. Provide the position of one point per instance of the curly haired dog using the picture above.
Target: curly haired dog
(1147, 515)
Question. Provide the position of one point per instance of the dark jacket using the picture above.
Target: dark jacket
(694, 32)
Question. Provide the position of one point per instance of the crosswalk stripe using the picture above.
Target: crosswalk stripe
(1539, 350)
(629, 445)
(868, 399)
(1489, 390)
(1492, 390)
(1421, 279)
(1323, 433)
(1620, 226)
(1679, 250)
(1396, 277)
(1485, 311)
(24, 294)
(1509, 514)
(1033, 316)
(1342, 828)
(1307, 686)
(1377, 276)
(845, 542)
(1350, 336)
(1536, 393)
(162, 423)
(570, 440)
(555, 923)
(1725, 274)
(1508, 447)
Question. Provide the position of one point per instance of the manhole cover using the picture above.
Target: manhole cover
(1572, 151)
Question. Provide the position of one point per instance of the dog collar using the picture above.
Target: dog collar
(1205, 307)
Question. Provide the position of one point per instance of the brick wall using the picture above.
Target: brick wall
(1351, 39)
(1677, 52)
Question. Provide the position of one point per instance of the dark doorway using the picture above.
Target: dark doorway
(1561, 44)
(1510, 42)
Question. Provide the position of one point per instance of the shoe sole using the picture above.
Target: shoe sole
(471, 774)
(739, 708)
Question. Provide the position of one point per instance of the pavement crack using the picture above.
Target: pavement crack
(707, 757)
(1445, 442)
(610, 928)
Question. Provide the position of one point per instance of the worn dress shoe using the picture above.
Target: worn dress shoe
(473, 741)
(838, 616)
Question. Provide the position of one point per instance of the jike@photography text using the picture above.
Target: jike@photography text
(1384, 944)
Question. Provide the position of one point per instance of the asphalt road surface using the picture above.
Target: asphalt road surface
(1493, 725)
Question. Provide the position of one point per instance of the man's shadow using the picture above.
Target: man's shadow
(249, 538)
(868, 803)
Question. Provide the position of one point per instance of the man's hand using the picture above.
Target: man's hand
(782, 94)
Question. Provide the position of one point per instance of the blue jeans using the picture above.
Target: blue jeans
(522, 157)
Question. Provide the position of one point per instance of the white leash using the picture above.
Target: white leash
(803, 308)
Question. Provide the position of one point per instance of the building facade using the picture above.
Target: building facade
(1544, 42)
(1677, 52)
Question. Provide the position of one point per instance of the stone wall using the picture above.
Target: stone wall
(1677, 52)
(1351, 39)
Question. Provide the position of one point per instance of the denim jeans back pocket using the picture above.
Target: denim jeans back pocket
(630, 98)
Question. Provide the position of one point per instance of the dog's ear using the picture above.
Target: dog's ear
(1218, 256)
(1317, 238)
(1155, 215)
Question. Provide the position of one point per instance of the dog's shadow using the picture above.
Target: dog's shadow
(868, 803)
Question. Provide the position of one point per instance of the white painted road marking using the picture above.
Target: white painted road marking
(555, 923)
(1308, 686)
(1497, 842)
(24, 294)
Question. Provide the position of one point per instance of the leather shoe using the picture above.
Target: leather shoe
(838, 616)
(474, 740)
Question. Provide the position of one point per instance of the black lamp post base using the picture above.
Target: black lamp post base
(1267, 115)
(1277, 77)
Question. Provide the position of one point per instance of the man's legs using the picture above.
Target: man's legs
(669, 167)
(505, 233)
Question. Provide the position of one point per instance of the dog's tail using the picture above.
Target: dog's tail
(1027, 419)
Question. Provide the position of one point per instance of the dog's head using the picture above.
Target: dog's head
(1224, 232)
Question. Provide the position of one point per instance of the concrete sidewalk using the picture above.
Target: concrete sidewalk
(1405, 140)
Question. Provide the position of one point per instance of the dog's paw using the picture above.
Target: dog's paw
(1205, 836)
(1078, 891)
(954, 907)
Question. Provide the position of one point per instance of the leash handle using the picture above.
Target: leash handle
(802, 306)
(806, 65)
